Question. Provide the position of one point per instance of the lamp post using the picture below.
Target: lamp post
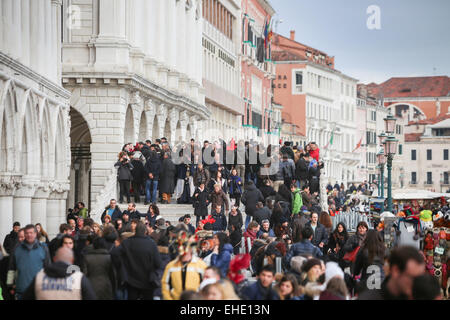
(381, 161)
(390, 150)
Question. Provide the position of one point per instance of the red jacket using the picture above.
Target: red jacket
(249, 234)
(314, 154)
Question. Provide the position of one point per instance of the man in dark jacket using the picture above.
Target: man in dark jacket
(320, 238)
(152, 171)
(221, 220)
(303, 247)
(141, 259)
(201, 202)
(112, 210)
(301, 170)
(287, 150)
(167, 180)
(10, 241)
(250, 198)
(261, 289)
(58, 282)
(218, 197)
(261, 213)
(405, 263)
(132, 212)
(124, 168)
(139, 177)
(201, 175)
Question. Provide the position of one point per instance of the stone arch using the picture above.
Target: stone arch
(8, 108)
(45, 141)
(417, 111)
(129, 135)
(155, 130)
(143, 128)
(60, 148)
(30, 146)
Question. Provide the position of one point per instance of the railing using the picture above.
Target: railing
(351, 220)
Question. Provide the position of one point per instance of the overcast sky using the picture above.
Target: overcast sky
(413, 39)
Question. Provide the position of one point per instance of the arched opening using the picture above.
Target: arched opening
(8, 129)
(60, 147)
(129, 126)
(80, 169)
(24, 153)
(45, 140)
(155, 129)
(167, 131)
(143, 128)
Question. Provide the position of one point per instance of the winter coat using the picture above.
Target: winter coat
(153, 166)
(222, 260)
(10, 241)
(300, 248)
(138, 171)
(117, 214)
(297, 201)
(167, 181)
(288, 151)
(124, 170)
(141, 260)
(236, 220)
(219, 199)
(256, 291)
(223, 183)
(267, 191)
(353, 242)
(320, 234)
(250, 198)
(58, 273)
(201, 177)
(262, 231)
(27, 261)
(172, 279)
(261, 214)
(362, 264)
(221, 222)
(249, 234)
(201, 202)
(97, 266)
(235, 184)
(301, 170)
(235, 240)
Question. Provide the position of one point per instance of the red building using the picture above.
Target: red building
(257, 69)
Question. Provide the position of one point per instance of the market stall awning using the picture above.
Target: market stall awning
(414, 194)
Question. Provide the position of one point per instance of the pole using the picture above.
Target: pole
(389, 167)
(382, 186)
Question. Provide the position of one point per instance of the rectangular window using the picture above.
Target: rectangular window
(446, 177)
(413, 155)
(298, 81)
(429, 178)
(429, 154)
(445, 154)
(413, 178)
(400, 149)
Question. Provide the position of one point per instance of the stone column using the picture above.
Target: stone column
(161, 114)
(174, 115)
(184, 121)
(36, 34)
(53, 221)
(149, 109)
(6, 210)
(22, 210)
(39, 207)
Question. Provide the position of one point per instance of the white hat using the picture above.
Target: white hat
(206, 282)
(332, 270)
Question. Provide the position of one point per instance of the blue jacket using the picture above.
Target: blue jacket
(221, 222)
(320, 234)
(222, 260)
(256, 291)
(302, 247)
(235, 182)
(262, 231)
(28, 262)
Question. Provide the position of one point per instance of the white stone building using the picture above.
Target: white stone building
(221, 68)
(134, 69)
(426, 150)
(34, 116)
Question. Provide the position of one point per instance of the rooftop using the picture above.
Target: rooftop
(433, 86)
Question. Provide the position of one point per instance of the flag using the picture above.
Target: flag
(358, 145)
(266, 33)
(331, 140)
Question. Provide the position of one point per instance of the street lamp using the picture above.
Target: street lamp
(389, 151)
(381, 161)
(382, 136)
(389, 123)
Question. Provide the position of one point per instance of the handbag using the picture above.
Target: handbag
(351, 256)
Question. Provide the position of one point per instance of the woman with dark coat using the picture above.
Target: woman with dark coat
(235, 218)
(98, 268)
(336, 242)
(250, 198)
(152, 215)
(124, 168)
(139, 177)
(201, 202)
(167, 183)
(371, 255)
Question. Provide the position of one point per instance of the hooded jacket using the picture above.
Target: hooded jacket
(97, 266)
(222, 260)
(250, 198)
(70, 286)
(297, 201)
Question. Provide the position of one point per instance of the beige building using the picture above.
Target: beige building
(426, 150)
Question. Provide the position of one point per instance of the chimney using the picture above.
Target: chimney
(293, 35)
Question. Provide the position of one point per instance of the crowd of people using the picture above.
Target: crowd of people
(284, 249)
